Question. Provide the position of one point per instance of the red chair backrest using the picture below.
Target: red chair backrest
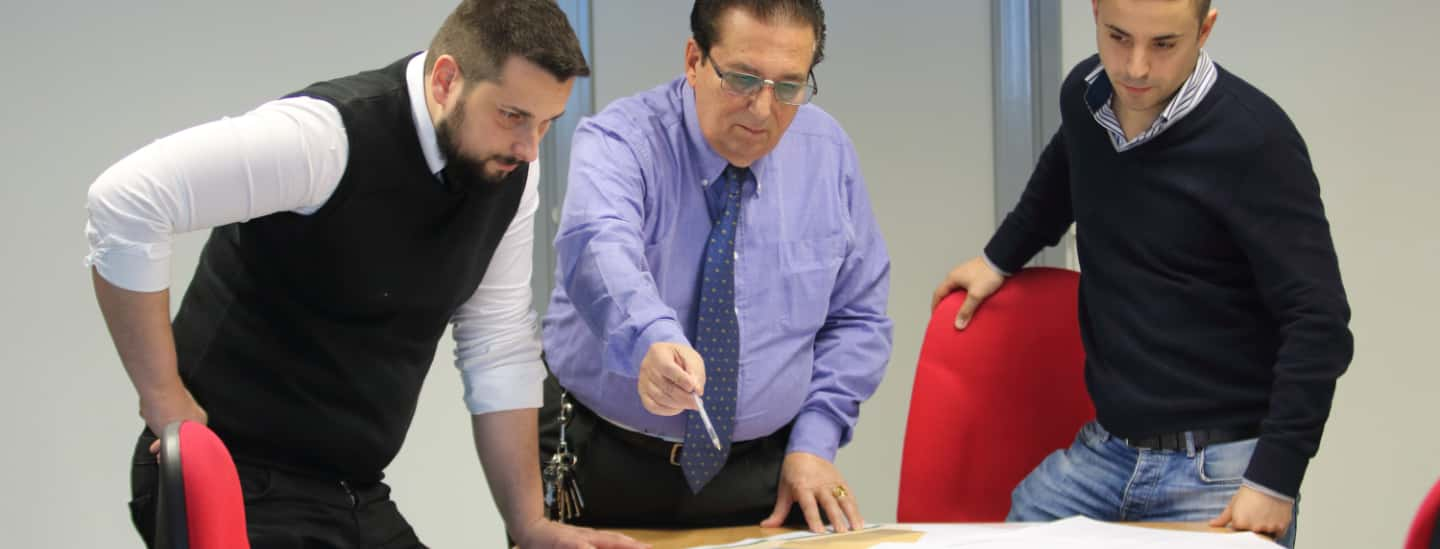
(201, 505)
(991, 401)
(1427, 520)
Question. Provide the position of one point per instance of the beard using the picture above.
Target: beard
(462, 168)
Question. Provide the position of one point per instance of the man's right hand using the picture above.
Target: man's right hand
(168, 407)
(669, 373)
(979, 281)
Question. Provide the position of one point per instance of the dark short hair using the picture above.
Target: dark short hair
(483, 34)
(705, 15)
(1202, 9)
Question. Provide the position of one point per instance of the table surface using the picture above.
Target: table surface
(677, 539)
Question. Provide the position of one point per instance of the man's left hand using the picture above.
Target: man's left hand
(1257, 512)
(815, 484)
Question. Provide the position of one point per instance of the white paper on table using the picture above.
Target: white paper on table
(1071, 533)
(950, 534)
(1085, 533)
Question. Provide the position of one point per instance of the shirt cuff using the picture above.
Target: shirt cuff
(511, 387)
(815, 433)
(1277, 495)
(134, 266)
(659, 331)
(1277, 467)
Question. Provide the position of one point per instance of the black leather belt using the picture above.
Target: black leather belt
(670, 451)
(1202, 438)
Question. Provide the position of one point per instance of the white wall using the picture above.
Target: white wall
(1359, 80)
(82, 90)
(910, 82)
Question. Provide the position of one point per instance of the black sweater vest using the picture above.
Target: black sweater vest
(306, 337)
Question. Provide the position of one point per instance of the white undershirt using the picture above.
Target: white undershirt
(289, 155)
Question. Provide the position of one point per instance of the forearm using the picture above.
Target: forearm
(827, 419)
(610, 288)
(508, 444)
(850, 359)
(497, 349)
(1041, 217)
(139, 324)
(600, 249)
(1281, 226)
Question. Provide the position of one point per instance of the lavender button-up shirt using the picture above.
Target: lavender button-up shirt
(812, 274)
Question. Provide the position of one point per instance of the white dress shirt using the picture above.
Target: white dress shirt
(289, 155)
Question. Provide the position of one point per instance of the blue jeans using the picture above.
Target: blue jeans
(1103, 478)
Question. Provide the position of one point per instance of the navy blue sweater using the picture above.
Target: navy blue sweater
(1210, 294)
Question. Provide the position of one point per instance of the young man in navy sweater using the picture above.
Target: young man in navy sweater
(1211, 307)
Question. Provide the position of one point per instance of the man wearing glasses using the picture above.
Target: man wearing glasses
(717, 246)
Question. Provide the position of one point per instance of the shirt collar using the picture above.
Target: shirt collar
(424, 127)
(1101, 90)
(711, 165)
(1187, 96)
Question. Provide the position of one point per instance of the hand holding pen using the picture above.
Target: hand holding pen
(671, 379)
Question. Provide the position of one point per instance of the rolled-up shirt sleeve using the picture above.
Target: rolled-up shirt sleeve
(286, 155)
(497, 349)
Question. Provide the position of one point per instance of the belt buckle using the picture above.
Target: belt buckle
(1151, 442)
(675, 453)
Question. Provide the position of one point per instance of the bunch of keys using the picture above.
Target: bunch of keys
(562, 492)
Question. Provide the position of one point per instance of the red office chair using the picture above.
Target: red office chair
(990, 402)
(200, 505)
(1425, 530)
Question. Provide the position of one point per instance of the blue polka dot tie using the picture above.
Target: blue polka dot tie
(717, 338)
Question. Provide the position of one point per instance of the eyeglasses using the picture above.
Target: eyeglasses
(749, 85)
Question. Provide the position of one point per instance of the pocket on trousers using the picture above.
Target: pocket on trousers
(1092, 435)
(1225, 463)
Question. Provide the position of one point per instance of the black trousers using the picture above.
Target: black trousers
(287, 511)
(628, 481)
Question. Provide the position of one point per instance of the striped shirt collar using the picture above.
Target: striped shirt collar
(1098, 95)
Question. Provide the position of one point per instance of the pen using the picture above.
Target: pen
(700, 406)
(704, 417)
